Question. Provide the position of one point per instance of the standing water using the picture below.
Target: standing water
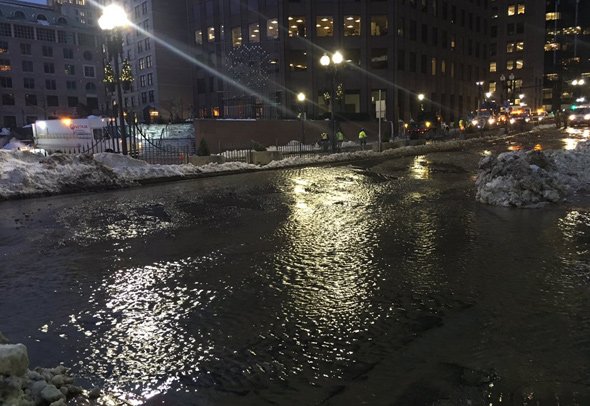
(375, 283)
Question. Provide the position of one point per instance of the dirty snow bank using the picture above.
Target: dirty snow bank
(20, 386)
(534, 178)
(23, 174)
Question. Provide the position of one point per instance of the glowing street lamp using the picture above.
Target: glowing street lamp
(112, 20)
(301, 101)
(333, 62)
(421, 99)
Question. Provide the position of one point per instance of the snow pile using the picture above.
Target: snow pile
(43, 386)
(534, 178)
(129, 169)
(24, 174)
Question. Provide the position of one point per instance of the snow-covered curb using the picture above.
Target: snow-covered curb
(534, 178)
(23, 174)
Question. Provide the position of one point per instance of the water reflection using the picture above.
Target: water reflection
(419, 168)
(136, 338)
(327, 266)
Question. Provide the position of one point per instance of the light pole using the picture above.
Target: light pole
(421, 100)
(332, 64)
(576, 83)
(511, 79)
(112, 20)
(479, 93)
(301, 101)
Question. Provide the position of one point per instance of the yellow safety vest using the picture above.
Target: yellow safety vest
(362, 135)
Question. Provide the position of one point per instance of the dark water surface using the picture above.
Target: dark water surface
(383, 283)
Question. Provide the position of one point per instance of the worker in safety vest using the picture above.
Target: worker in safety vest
(363, 138)
(339, 140)
(324, 141)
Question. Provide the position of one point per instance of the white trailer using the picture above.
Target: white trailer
(74, 135)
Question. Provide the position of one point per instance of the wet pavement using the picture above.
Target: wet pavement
(380, 283)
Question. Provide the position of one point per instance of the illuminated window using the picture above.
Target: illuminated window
(297, 27)
(4, 47)
(5, 65)
(433, 66)
(443, 67)
(236, 37)
(199, 37)
(379, 26)
(492, 87)
(511, 10)
(492, 66)
(520, 8)
(210, 34)
(520, 46)
(324, 26)
(519, 63)
(510, 47)
(352, 26)
(272, 28)
(509, 64)
(254, 33)
(551, 46)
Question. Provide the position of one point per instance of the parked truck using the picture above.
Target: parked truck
(74, 135)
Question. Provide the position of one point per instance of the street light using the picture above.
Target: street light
(301, 101)
(421, 99)
(112, 20)
(511, 79)
(333, 62)
(479, 93)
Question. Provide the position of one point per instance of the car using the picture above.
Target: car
(579, 116)
(428, 125)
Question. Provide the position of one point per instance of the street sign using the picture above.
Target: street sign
(380, 108)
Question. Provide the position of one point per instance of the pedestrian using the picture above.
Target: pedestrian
(362, 138)
(339, 140)
(558, 119)
(324, 141)
(564, 118)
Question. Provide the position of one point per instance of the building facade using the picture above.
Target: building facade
(50, 65)
(160, 49)
(567, 53)
(404, 48)
(516, 64)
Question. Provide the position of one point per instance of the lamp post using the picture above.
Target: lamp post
(511, 79)
(576, 83)
(112, 20)
(479, 93)
(421, 99)
(301, 101)
(332, 64)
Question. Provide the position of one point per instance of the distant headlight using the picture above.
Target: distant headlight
(587, 117)
(527, 119)
(572, 117)
(512, 121)
(474, 122)
(428, 124)
(491, 121)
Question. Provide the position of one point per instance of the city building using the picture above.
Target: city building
(406, 48)
(50, 65)
(516, 64)
(567, 53)
(159, 48)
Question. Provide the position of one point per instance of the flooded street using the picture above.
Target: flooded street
(381, 282)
